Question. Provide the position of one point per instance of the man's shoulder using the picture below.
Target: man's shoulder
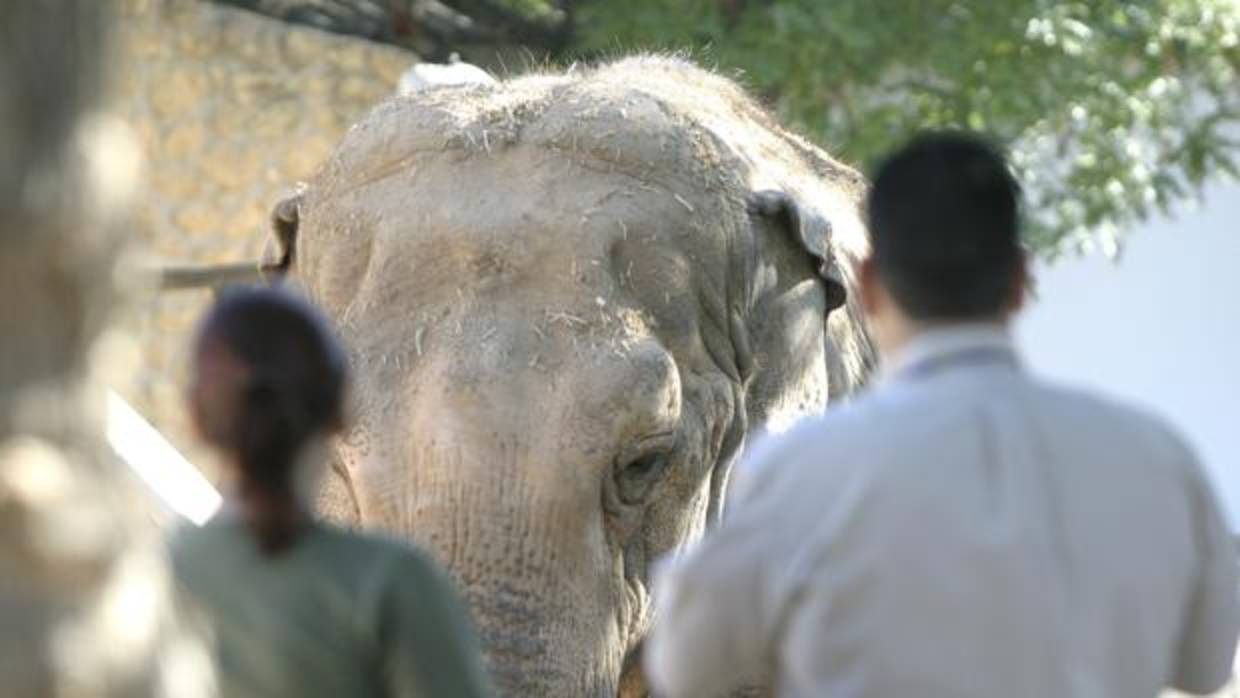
(1106, 416)
(824, 446)
(1093, 425)
(871, 418)
(891, 418)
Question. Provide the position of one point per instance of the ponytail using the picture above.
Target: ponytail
(271, 434)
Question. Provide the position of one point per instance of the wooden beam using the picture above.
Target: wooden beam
(175, 278)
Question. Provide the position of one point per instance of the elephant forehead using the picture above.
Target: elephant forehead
(519, 218)
(534, 184)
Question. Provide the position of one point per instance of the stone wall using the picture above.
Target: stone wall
(232, 109)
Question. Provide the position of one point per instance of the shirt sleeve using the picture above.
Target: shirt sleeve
(1208, 639)
(713, 619)
(430, 648)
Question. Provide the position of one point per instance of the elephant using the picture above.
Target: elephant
(571, 299)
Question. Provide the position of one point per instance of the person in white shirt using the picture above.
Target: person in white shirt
(963, 529)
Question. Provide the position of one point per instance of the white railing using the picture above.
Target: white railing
(174, 480)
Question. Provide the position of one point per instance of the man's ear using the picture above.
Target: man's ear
(867, 284)
(1024, 285)
(285, 218)
(810, 232)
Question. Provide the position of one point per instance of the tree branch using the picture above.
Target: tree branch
(432, 28)
(509, 23)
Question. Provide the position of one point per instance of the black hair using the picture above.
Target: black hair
(944, 226)
(291, 390)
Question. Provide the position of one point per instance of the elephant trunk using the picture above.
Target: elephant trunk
(529, 554)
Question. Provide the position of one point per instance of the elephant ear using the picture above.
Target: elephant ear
(336, 501)
(848, 352)
(281, 250)
(811, 233)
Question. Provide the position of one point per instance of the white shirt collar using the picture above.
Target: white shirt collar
(939, 343)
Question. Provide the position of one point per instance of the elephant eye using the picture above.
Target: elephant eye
(637, 474)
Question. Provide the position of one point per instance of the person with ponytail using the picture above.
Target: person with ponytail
(294, 606)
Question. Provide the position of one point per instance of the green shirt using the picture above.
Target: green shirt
(338, 614)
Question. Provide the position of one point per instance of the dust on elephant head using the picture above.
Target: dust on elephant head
(569, 298)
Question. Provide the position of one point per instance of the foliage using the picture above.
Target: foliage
(1113, 110)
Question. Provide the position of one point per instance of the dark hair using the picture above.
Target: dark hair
(291, 390)
(944, 224)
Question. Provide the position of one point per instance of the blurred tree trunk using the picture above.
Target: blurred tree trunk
(82, 609)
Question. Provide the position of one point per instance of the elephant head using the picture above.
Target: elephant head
(569, 299)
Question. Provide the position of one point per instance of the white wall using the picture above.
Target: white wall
(1160, 327)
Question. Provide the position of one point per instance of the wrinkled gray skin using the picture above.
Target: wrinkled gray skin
(569, 299)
